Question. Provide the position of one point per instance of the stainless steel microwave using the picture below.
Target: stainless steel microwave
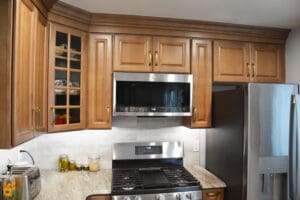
(151, 94)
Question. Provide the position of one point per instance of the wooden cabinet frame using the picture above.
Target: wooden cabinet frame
(83, 66)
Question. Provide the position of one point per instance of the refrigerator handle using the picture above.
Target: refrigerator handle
(294, 155)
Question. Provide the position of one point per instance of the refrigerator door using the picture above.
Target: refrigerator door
(294, 173)
(269, 109)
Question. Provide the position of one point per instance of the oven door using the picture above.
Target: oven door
(149, 94)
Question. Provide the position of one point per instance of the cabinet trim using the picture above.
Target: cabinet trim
(111, 23)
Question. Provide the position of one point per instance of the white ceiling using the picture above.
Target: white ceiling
(273, 13)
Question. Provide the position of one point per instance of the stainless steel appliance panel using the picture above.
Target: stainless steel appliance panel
(192, 195)
(294, 173)
(127, 151)
(152, 77)
(268, 136)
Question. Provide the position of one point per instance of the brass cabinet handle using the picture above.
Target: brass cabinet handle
(150, 58)
(212, 194)
(108, 114)
(53, 115)
(194, 114)
(33, 117)
(254, 70)
(156, 58)
(248, 70)
(39, 117)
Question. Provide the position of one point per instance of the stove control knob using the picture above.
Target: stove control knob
(137, 198)
(179, 196)
(159, 197)
(189, 196)
(126, 198)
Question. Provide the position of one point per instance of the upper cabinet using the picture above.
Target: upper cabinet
(151, 54)
(202, 84)
(67, 67)
(23, 72)
(248, 62)
(99, 92)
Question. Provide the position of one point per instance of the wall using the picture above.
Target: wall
(79, 144)
(293, 57)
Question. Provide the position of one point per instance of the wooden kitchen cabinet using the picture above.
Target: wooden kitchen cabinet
(23, 62)
(244, 62)
(213, 194)
(151, 54)
(202, 84)
(67, 65)
(29, 74)
(99, 92)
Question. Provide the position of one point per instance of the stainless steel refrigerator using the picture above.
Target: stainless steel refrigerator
(254, 132)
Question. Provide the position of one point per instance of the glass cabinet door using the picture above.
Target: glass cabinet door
(66, 77)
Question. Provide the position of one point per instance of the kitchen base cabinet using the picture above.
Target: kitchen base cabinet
(202, 84)
(99, 197)
(213, 194)
(99, 92)
(244, 62)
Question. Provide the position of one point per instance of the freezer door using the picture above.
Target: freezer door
(294, 173)
(269, 108)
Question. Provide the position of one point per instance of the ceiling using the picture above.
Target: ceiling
(272, 13)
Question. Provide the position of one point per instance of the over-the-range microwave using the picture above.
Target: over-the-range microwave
(152, 94)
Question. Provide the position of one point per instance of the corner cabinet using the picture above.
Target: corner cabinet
(202, 84)
(243, 62)
(151, 54)
(99, 107)
(67, 67)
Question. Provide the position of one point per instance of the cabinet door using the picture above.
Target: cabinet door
(40, 79)
(23, 72)
(267, 63)
(171, 55)
(99, 81)
(67, 67)
(132, 53)
(231, 61)
(202, 83)
(213, 194)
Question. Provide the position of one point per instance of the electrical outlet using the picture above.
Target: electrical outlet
(196, 145)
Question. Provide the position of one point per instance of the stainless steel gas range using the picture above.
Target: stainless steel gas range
(152, 171)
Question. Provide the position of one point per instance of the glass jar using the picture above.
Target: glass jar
(63, 163)
(72, 165)
(94, 163)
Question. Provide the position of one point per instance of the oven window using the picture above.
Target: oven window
(152, 97)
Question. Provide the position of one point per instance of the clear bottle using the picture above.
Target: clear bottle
(9, 185)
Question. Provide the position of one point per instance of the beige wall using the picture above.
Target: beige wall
(293, 57)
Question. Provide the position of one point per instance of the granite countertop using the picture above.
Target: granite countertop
(79, 185)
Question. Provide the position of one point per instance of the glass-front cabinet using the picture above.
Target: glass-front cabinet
(66, 79)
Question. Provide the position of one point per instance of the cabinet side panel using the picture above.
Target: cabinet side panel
(6, 21)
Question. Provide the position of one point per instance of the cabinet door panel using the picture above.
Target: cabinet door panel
(40, 75)
(99, 197)
(67, 66)
(267, 63)
(213, 194)
(202, 83)
(100, 82)
(23, 70)
(231, 61)
(171, 55)
(132, 53)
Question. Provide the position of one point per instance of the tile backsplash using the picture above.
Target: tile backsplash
(80, 144)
